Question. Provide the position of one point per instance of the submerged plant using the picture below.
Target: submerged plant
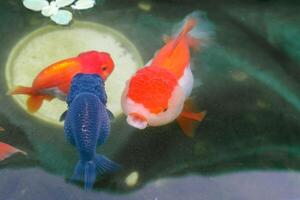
(54, 8)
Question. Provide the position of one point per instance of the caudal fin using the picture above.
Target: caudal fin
(87, 171)
(34, 102)
(198, 30)
(7, 150)
(21, 90)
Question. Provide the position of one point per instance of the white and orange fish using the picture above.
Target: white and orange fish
(158, 93)
(7, 150)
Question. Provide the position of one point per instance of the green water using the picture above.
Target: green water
(250, 89)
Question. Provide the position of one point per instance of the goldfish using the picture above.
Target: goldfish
(87, 125)
(54, 81)
(159, 93)
(7, 150)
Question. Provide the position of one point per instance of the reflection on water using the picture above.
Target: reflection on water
(49, 44)
(256, 185)
(250, 89)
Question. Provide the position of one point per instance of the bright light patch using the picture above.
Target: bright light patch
(53, 43)
(132, 179)
(145, 6)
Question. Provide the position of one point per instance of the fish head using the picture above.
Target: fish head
(100, 63)
(152, 98)
(87, 83)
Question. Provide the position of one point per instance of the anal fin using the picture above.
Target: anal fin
(34, 102)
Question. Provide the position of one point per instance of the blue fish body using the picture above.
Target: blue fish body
(87, 125)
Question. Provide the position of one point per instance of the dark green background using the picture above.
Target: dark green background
(250, 88)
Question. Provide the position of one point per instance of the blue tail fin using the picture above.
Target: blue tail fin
(86, 171)
(104, 165)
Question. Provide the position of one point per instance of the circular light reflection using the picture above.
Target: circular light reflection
(50, 44)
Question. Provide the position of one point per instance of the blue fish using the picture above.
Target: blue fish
(87, 125)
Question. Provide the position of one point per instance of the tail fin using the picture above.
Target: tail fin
(6, 151)
(34, 101)
(87, 171)
(21, 90)
(198, 29)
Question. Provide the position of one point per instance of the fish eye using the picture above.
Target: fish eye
(104, 68)
(165, 110)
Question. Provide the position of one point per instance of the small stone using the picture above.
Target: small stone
(239, 76)
(145, 6)
(132, 179)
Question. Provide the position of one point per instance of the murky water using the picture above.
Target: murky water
(247, 80)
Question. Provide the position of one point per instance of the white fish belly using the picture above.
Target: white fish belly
(187, 81)
(55, 92)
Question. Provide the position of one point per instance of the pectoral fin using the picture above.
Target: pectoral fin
(110, 115)
(188, 120)
(63, 116)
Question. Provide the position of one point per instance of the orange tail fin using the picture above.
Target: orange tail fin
(22, 90)
(34, 101)
(6, 151)
(188, 120)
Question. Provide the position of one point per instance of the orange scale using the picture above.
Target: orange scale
(152, 87)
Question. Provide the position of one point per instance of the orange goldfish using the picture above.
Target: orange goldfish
(6, 150)
(54, 80)
(158, 93)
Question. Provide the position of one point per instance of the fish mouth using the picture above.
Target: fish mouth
(136, 120)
